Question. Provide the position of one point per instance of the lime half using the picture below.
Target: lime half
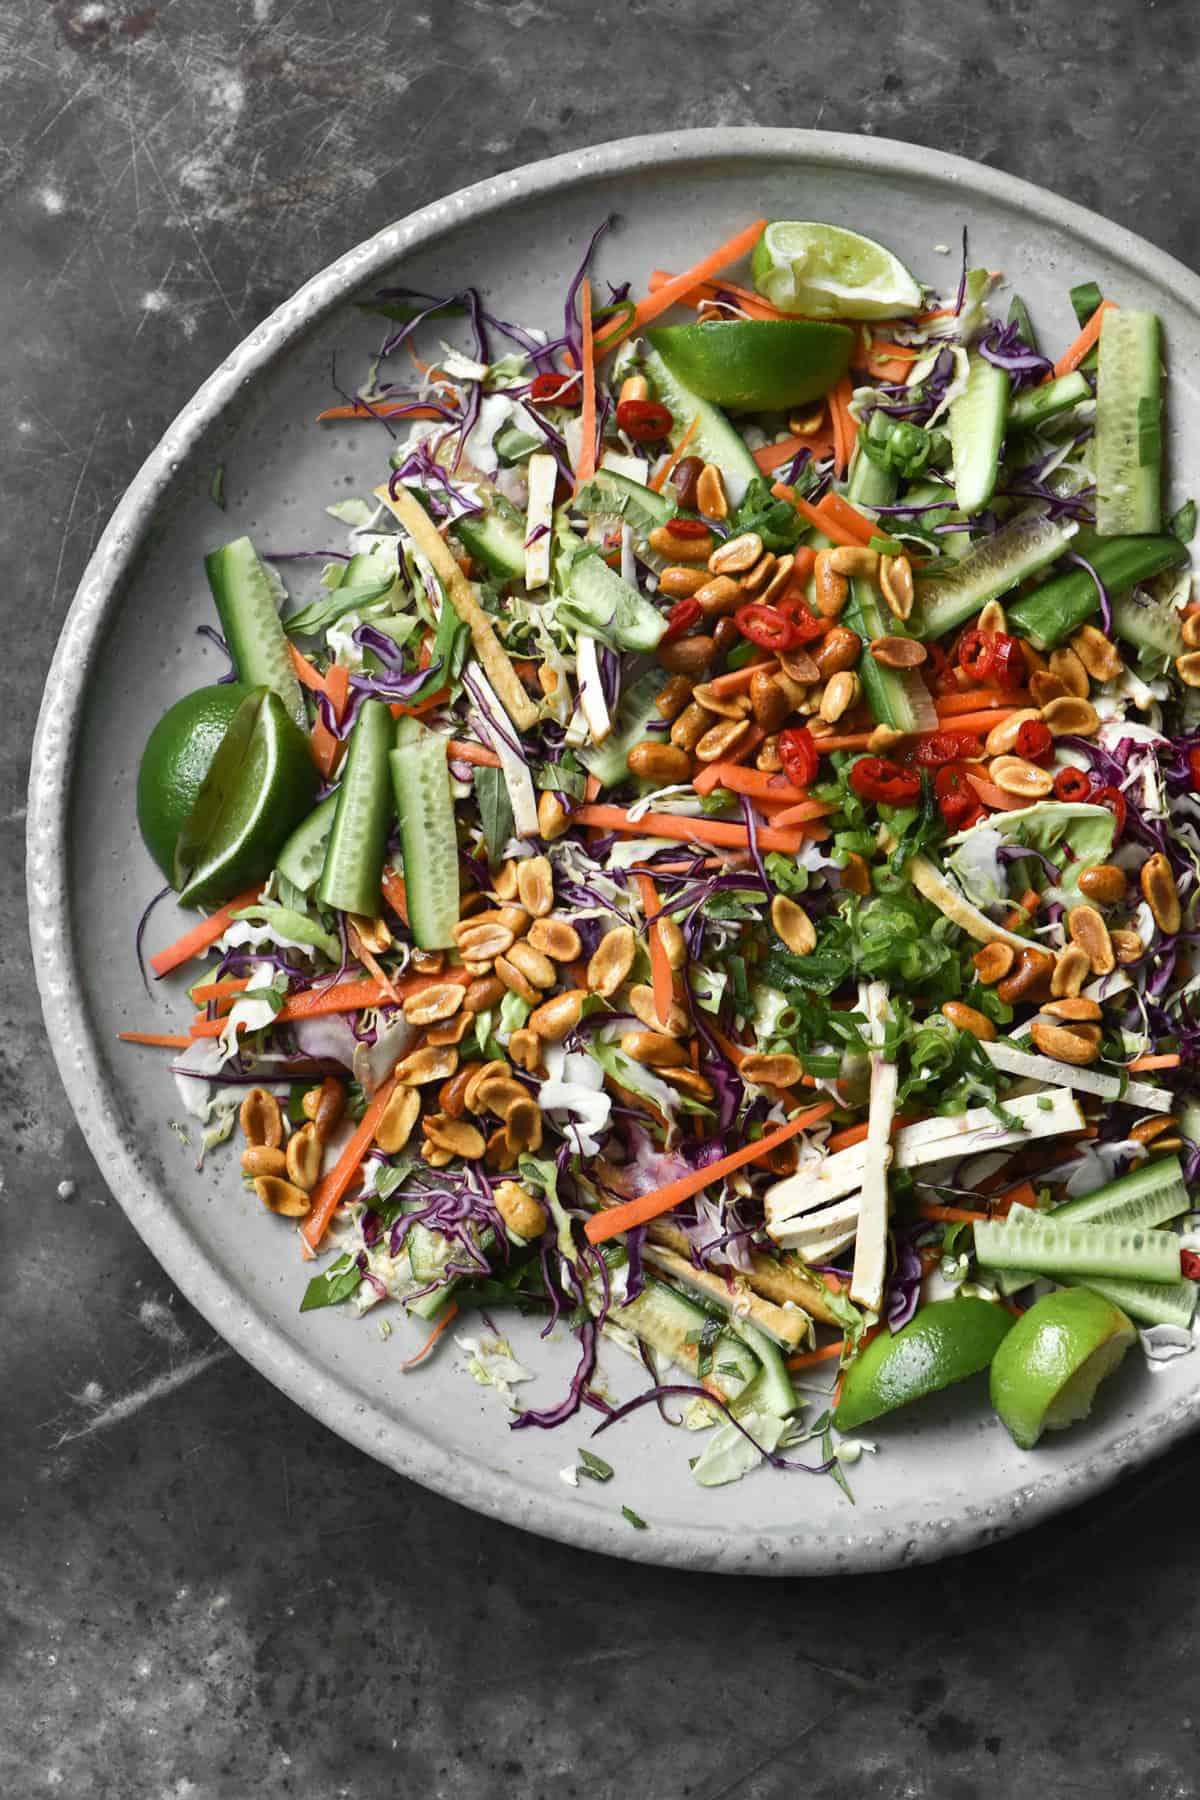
(755, 365)
(1046, 1372)
(827, 272)
(262, 782)
(177, 757)
(945, 1342)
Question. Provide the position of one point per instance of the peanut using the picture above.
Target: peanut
(1070, 971)
(884, 738)
(673, 697)
(517, 982)
(1128, 946)
(430, 1063)
(767, 700)
(1002, 738)
(1044, 687)
(689, 1083)
(686, 479)
(260, 1159)
(992, 618)
(1160, 893)
(1070, 671)
(711, 498)
(654, 1049)
(736, 554)
(482, 994)
(482, 943)
(552, 816)
(1104, 883)
(304, 1158)
(1187, 667)
(898, 652)
(681, 582)
(325, 1106)
(793, 925)
(497, 1094)
(672, 940)
(720, 739)
(504, 886)
(1147, 1130)
(652, 760)
(433, 1003)
(1063, 1045)
(261, 1119)
(458, 1136)
(1071, 717)
(799, 665)
(450, 1031)
(970, 1019)
(400, 1115)
(556, 939)
(482, 1072)
(452, 1093)
(535, 885)
(553, 1019)
(719, 596)
(857, 564)
(1086, 928)
(1074, 1006)
(523, 1216)
(830, 590)
(687, 655)
(1030, 980)
(842, 691)
(612, 961)
(896, 580)
(1190, 630)
(282, 1197)
(994, 961)
(691, 726)
(1101, 660)
(726, 706)
(643, 1007)
(525, 1048)
(839, 649)
(663, 542)
(856, 875)
(1025, 779)
(781, 1070)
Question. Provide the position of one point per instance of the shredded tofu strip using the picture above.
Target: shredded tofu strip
(946, 897)
(488, 648)
(789, 1329)
(517, 778)
(539, 515)
(870, 1243)
(786, 1287)
(591, 689)
(1087, 1081)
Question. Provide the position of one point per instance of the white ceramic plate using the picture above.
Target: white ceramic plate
(946, 1476)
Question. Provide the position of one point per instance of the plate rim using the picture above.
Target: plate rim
(73, 1039)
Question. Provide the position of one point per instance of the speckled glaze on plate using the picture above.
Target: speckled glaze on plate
(946, 1477)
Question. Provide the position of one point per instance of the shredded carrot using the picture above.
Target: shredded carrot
(329, 1190)
(978, 724)
(378, 409)
(671, 291)
(833, 506)
(804, 812)
(852, 540)
(604, 1225)
(845, 430)
(344, 996)
(395, 892)
(155, 1040)
(660, 968)
(202, 936)
(808, 1358)
(751, 781)
(1165, 1061)
(587, 413)
(774, 456)
(401, 710)
(204, 991)
(307, 675)
(685, 830)
(1021, 1195)
(367, 958)
(326, 748)
(939, 312)
(410, 1362)
(750, 302)
(660, 477)
(993, 796)
(849, 740)
(948, 1215)
(949, 706)
(460, 750)
(1074, 354)
(737, 681)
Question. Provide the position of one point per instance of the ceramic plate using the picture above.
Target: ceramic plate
(946, 1477)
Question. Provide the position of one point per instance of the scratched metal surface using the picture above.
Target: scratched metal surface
(204, 1592)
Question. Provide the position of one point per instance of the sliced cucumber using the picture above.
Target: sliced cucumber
(774, 1388)
(496, 537)
(1047, 1247)
(1128, 448)
(990, 568)
(1149, 620)
(635, 712)
(1150, 1302)
(428, 839)
(611, 495)
(428, 1252)
(898, 698)
(714, 438)
(977, 420)
(358, 839)
(249, 618)
(1033, 406)
(303, 856)
(1052, 612)
(1147, 1196)
(513, 444)
(597, 601)
(672, 1325)
(869, 485)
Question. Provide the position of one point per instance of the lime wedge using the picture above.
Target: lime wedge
(752, 365)
(827, 272)
(1046, 1372)
(947, 1341)
(262, 782)
(177, 757)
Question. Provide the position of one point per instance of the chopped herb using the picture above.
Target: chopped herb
(594, 1467)
(836, 1470)
(334, 1286)
(638, 1524)
(1183, 522)
(495, 811)
(216, 487)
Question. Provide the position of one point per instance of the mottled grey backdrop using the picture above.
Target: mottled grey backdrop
(204, 1595)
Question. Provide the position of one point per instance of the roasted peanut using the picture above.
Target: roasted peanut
(680, 582)
(1025, 779)
(553, 1019)
(1086, 928)
(664, 542)
(517, 982)
(654, 1049)
(400, 1115)
(450, 1031)
(634, 387)
(1030, 979)
(898, 652)
(1128, 946)
(504, 884)
(992, 618)
(643, 1007)
(1063, 1044)
(993, 962)
(282, 1197)
(458, 1136)
(525, 1049)
(533, 964)
(481, 943)
(1104, 883)
(1074, 1007)
(1160, 893)
(501, 1152)
(1071, 970)
(496, 1094)
(768, 701)
(516, 918)
(726, 706)
(884, 738)
(483, 1072)
(374, 934)
(857, 564)
(896, 580)
(856, 875)
(672, 940)
(781, 576)
(1190, 630)
(969, 1019)
(433, 1003)
(1070, 671)
(432, 1062)
(782, 1070)
(452, 1093)
(260, 1159)
(719, 596)
(652, 760)
(1044, 687)
(1002, 738)
(689, 1083)
(524, 1216)
(1071, 717)
(552, 816)
(720, 739)
(685, 480)
(433, 962)
(556, 939)
(830, 590)
(839, 649)
(612, 961)
(711, 498)
(687, 655)
(725, 636)
(485, 992)
(793, 925)
(1100, 658)
(1158, 1125)
(261, 1119)
(736, 554)
(535, 885)
(691, 725)
(673, 696)
(304, 1158)
(799, 666)
(1187, 667)
(842, 691)
(768, 760)
(325, 1106)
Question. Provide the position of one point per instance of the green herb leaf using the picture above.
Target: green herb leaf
(495, 811)
(310, 621)
(638, 1524)
(1183, 523)
(837, 1471)
(777, 522)
(594, 1467)
(334, 1286)
(1085, 298)
(216, 487)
